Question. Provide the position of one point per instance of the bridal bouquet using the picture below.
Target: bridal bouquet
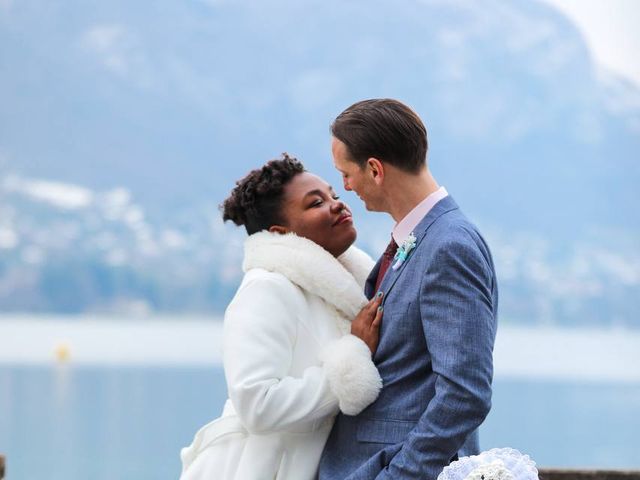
(494, 464)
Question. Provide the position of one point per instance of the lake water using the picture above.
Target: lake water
(123, 418)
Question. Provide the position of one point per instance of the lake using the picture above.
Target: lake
(101, 400)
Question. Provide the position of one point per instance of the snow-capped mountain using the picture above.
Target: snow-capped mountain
(123, 125)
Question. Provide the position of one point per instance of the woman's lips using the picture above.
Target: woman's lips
(343, 219)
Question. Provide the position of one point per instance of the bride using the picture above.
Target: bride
(298, 335)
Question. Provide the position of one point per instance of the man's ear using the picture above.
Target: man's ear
(376, 169)
(278, 229)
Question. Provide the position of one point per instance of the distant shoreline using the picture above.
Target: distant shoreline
(546, 353)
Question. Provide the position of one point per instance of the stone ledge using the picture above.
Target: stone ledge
(587, 474)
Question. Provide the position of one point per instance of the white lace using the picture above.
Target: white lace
(494, 464)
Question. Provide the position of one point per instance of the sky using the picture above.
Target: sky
(610, 28)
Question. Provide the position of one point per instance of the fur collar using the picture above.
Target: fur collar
(338, 281)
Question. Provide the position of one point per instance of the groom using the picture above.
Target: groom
(435, 353)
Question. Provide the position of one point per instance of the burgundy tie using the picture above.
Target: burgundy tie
(387, 258)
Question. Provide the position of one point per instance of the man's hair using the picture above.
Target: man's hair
(256, 200)
(385, 129)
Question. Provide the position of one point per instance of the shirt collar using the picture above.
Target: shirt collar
(405, 226)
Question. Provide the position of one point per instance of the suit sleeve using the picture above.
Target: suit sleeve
(459, 326)
(261, 329)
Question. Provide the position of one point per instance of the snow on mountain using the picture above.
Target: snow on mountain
(123, 126)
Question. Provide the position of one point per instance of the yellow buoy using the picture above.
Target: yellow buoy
(62, 352)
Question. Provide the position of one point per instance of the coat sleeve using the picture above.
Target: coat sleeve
(459, 326)
(261, 329)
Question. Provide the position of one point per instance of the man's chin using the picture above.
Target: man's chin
(371, 208)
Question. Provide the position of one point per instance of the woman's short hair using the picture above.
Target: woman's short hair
(256, 200)
(385, 129)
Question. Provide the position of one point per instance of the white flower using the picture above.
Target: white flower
(495, 470)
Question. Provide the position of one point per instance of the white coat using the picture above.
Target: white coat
(289, 362)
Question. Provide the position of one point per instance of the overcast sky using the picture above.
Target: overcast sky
(611, 29)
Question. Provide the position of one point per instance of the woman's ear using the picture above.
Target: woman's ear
(278, 229)
(376, 169)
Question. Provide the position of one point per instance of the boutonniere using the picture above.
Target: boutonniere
(404, 250)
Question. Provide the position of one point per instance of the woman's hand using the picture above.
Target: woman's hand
(366, 325)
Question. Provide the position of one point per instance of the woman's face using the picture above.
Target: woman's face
(311, 209)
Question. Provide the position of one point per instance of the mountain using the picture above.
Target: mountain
(66, 248)
(171, 102)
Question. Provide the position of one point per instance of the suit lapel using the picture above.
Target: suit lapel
(443, 206)
(371, 280)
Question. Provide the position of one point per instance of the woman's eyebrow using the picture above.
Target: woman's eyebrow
(317, 191)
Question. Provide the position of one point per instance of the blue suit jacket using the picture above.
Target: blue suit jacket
(435, 357)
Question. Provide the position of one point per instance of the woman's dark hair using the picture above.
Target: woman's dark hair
(256, 200)
(385, 129)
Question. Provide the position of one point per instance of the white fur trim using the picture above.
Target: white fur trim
(353, 377)
(311, 267)
(358, 263)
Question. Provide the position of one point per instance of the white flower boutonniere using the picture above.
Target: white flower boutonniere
(404, 250)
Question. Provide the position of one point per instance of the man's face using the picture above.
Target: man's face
(355, 178)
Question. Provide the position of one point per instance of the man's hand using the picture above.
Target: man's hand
(366, 325)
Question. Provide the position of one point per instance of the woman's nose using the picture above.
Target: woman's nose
(338, 206)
